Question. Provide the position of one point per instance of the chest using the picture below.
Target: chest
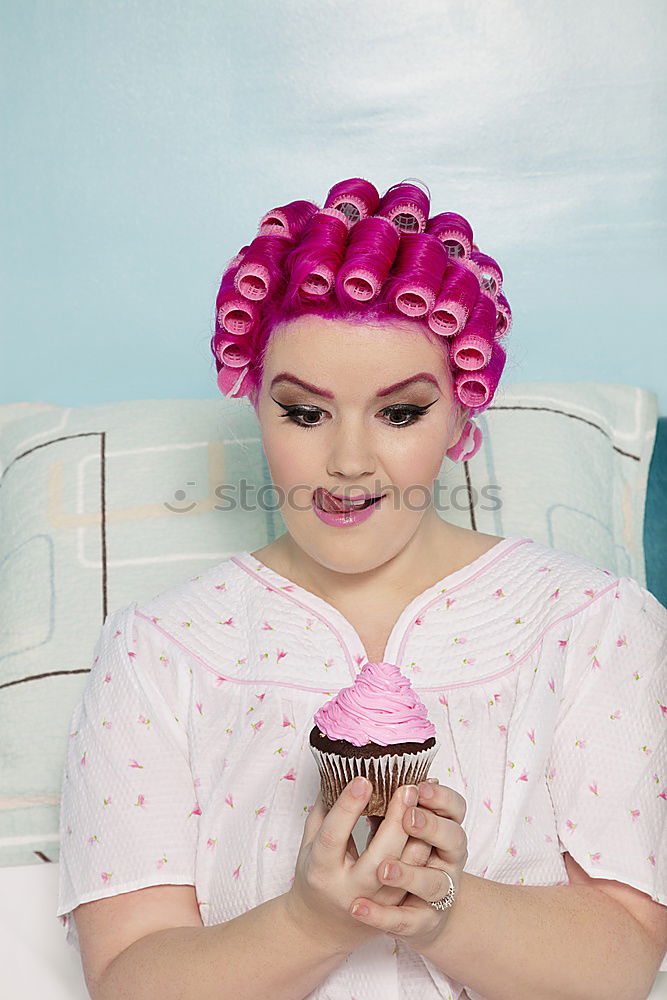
(374, 633)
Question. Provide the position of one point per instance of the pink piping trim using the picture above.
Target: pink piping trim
(457, 586)
(304, 607)
(216, 673)
(493, 677)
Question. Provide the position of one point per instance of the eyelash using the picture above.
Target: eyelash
(415, 412)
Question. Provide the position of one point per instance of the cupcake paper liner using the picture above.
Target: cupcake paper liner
(385, 773)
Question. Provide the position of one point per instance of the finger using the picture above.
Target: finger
(314, 819)
(429, 882)
(445, 835)
(408, 920)
(329, 843)
(390, 837)
(443, 800)
(416, 852)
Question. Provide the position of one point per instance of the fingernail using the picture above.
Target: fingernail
(410, 795)
(359, 786)
(390, 871)
(434, 781)
(418, 818)
(359, 910)
(426, 791)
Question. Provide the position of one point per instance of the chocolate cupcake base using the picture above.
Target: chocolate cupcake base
(386, 767)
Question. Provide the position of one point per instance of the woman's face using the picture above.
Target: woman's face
(356, 437)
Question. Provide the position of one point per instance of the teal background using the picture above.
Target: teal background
(142, 140)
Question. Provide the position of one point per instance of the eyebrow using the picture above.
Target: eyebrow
(420, 377)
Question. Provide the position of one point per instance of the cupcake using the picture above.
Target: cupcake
(378, 727)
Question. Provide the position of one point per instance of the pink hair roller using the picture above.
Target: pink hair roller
(491, 276)
(356, 198)
(234, 381)
(476, 389)
(457, 298)
(454, 232)
(312, 266)
(319, 281)
(361, 284)
(287, 220)
(236, 315)
(233, 355)
(253, 280)
(424, 259)
(406, 206)
(469, 351)
(359, 245)
(235, 261)
(503, 316)
(468, 444)
(259, 269)
(369, 256)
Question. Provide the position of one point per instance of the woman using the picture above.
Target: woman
(367, 336)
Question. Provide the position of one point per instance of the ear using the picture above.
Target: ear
(459, 424)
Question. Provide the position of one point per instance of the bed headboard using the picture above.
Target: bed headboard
(655, 517)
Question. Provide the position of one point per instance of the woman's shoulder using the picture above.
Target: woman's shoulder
(567, 579)
(214, 588)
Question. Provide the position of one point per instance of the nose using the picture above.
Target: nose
(350, 456)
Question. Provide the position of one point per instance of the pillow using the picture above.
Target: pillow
(104, 505)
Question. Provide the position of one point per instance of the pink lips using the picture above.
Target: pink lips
(339, 516)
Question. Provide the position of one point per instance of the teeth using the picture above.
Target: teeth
(332, 505)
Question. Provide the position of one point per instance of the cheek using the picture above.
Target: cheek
(289, 461)
(418, 460)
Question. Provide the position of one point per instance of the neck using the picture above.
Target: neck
(436, 544)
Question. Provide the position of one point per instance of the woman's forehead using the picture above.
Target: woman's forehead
(390, 351)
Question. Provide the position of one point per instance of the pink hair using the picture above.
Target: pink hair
(365, 259)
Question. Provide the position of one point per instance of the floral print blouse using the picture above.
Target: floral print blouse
(188, 761)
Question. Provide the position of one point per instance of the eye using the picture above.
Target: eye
(408, 414)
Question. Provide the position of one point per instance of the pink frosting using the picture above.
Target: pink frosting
(380, 707)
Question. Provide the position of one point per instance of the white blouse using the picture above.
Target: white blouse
(188, 759)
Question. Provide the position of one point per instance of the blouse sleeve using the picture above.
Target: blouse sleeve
(128, 809)
(607, 771)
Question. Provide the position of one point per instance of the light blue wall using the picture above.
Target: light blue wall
(144, 139)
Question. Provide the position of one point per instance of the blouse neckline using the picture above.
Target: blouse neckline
(339, 624)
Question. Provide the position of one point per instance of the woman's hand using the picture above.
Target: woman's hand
(330, 875)
(415, 920)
